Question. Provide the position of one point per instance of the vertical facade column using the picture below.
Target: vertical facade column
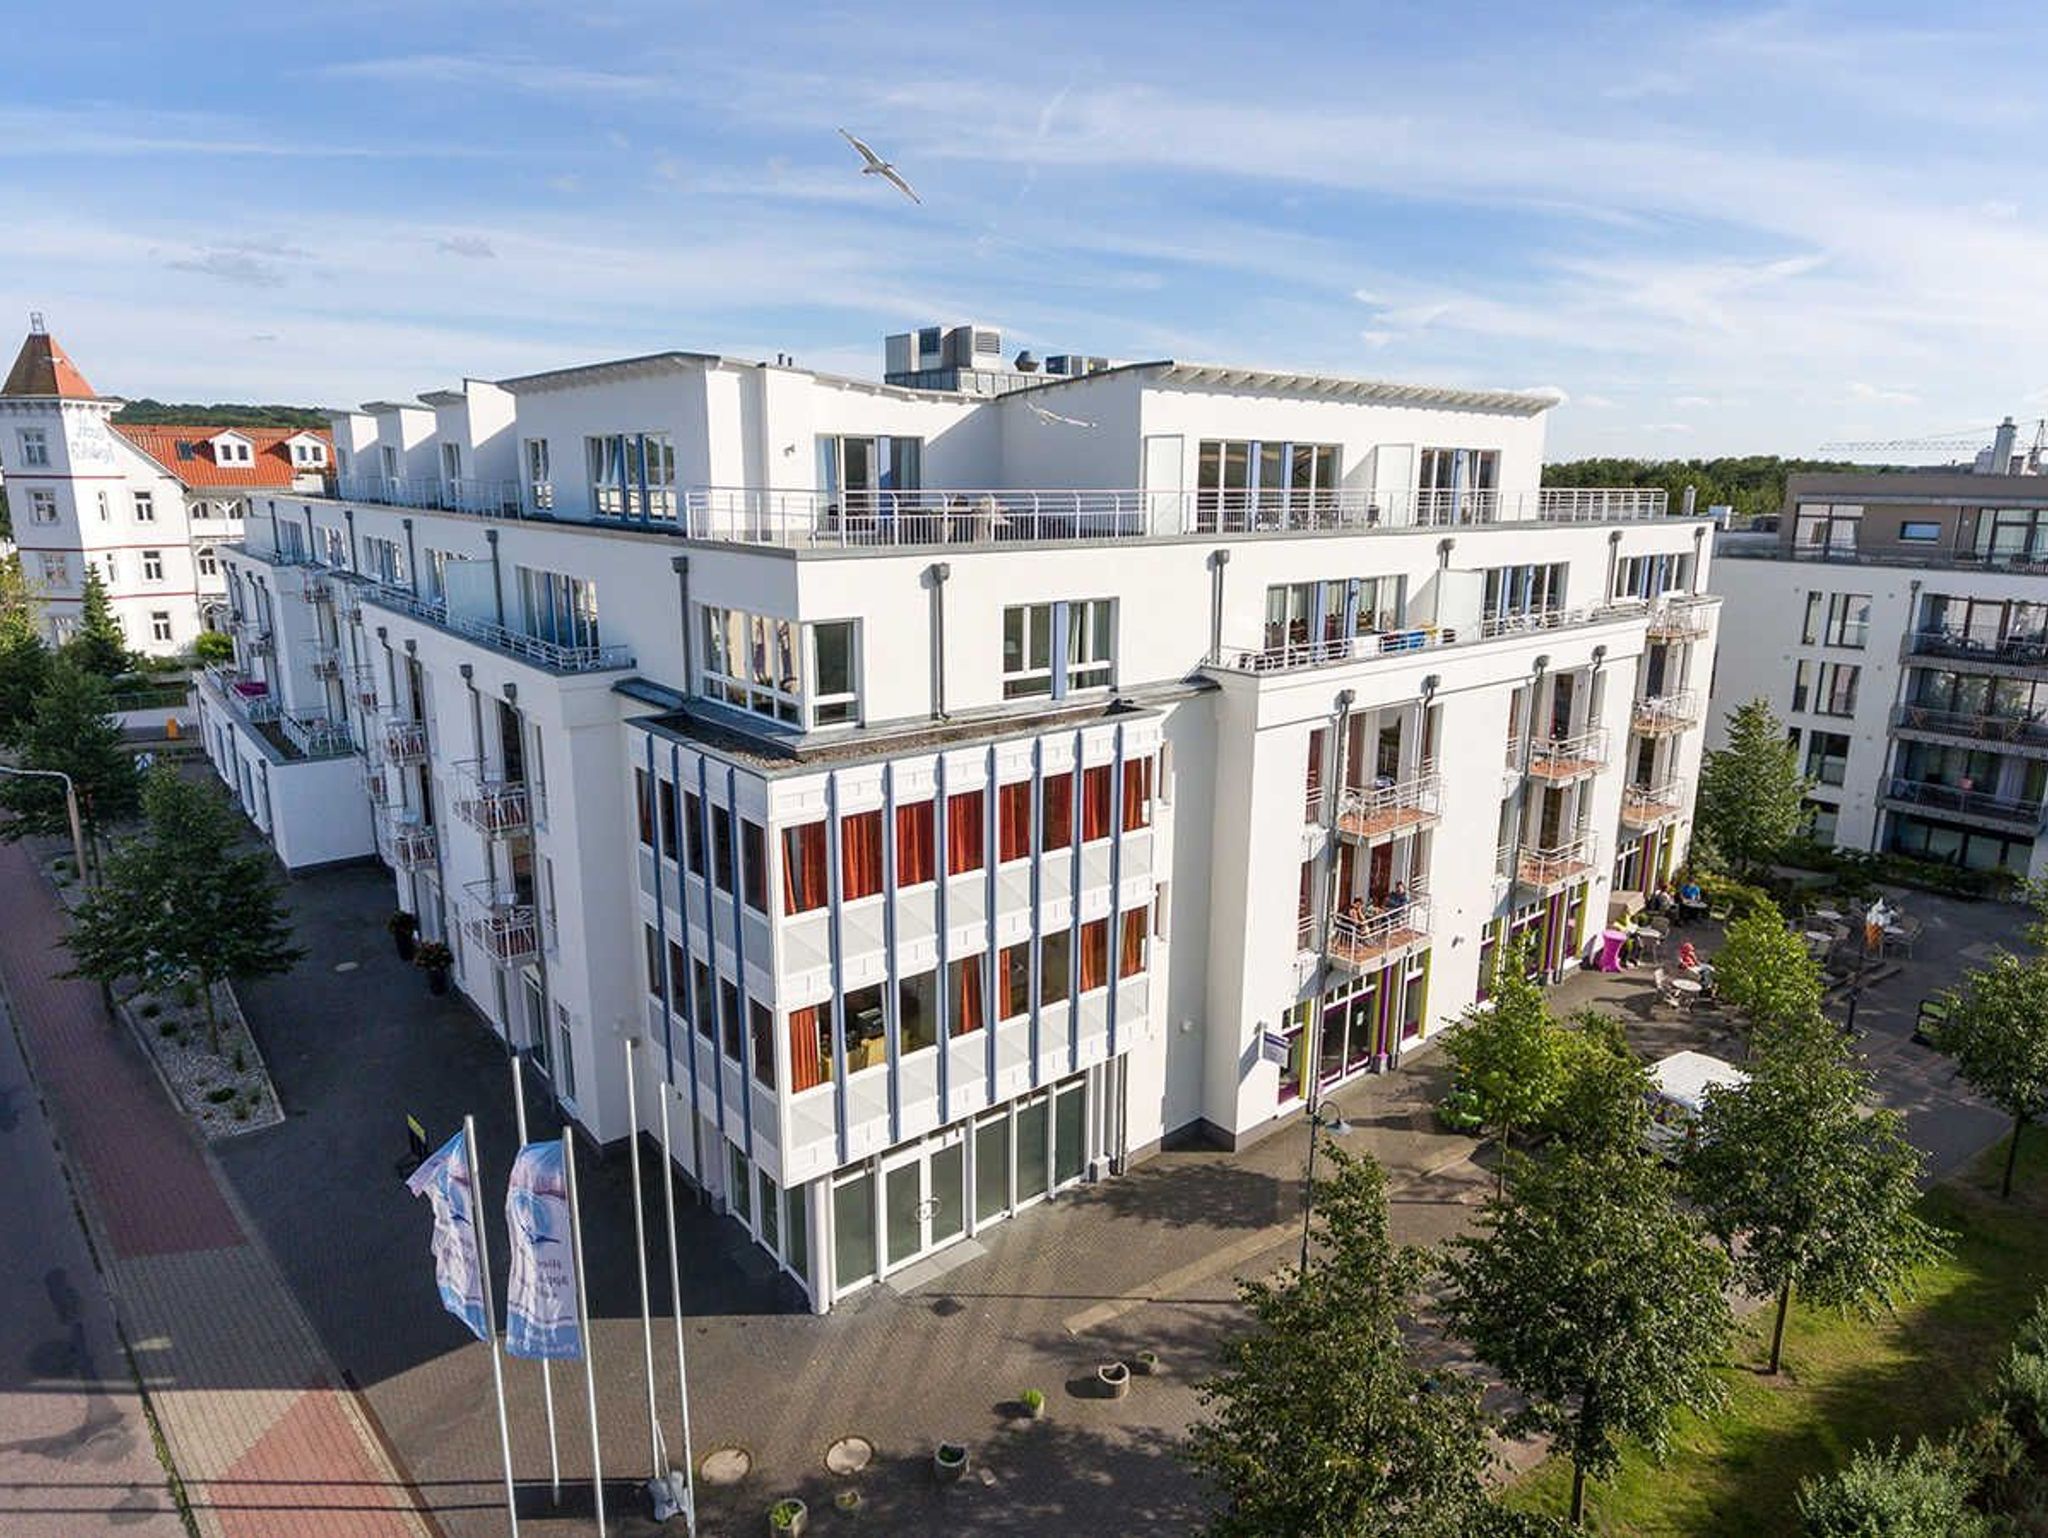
(694, 1009)
(739, 964)
(717, 999)
(834, 888)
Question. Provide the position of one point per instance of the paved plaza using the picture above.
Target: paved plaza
(1145, 1262)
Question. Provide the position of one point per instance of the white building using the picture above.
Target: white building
(1898, 623)
(965, 793)
(148, 506)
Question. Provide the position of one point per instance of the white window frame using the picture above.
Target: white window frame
(42, 505)
(152, 566)
(145, 506)
(160, 624)
(1085, 622)
(35, 448)
(106, 506)
(789, 698)
(209, 563)
(56, 569)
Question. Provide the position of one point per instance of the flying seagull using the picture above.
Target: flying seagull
(877, 166)
(1054, 417)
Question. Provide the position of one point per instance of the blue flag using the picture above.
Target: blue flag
(540, 1293)
(444, 1180)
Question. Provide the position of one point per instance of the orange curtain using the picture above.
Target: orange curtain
(1016, 981)
(1059, 812)
(1133, 958)
(1013, 804)
(964, 833)
(860, 855)
(1094, 954)
(803, 868)
(808, 1065)
(967, 1015)
(1137, 794)
(1095, 803)
(916, 858)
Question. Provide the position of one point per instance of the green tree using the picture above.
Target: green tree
(98, 646)
(1820, 1191)
(1322, 1423)
(1751, 800)
(1997, 1032)
(1592, 1293)
(71, 728)
(1509, 1053)
(213, 646)
(1602, 1103)
(24, 659)
(182, 900)
(1764, 970)
(1924, 1493)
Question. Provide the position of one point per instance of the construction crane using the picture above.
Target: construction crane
(1967, 438)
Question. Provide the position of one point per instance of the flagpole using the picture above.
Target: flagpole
(547, 1369)
(655, 1470)
(583, 1322)
(675, 1293)
(483, 1266)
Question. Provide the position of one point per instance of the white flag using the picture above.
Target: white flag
(444, 1180)
(540, 1293)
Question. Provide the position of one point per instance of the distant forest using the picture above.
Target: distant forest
(1752, 485)
(146, 411)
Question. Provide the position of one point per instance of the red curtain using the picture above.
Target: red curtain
(1013, 821)
(1059, 812)
(916, 853)
(808, 1064)
(860, 855)
(1016, 981)
(1137, 794)
(1094, 954)
(803, 868)
(1132, 960)
(967, 1011)
(964, 830)
(1095, 803)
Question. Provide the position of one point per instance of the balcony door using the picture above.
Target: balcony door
(924, 1198)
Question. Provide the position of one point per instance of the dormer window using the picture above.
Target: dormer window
(233, 449)
(309, 452)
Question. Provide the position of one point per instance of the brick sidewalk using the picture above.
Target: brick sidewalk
(261, 1433)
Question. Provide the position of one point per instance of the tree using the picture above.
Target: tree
(1596, 1297)
(1508, 1053)
(1322, 1423)
(1997, 1032)
(1602, 1103)
(1751, 801)
(24, 659)
(213, 646)
(71, 729)
(1821, 1191)
(1892, 1494)
(99, 645)
(1764, 970)
(181, 901)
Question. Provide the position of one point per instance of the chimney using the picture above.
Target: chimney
(2002, 447)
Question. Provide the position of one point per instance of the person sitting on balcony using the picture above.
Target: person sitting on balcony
(1358, 914)
(1398, 898)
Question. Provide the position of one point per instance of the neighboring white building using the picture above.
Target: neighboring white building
(148, 506)
(969, 793)
(1898, 622)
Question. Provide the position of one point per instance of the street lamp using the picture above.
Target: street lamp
(70, 810)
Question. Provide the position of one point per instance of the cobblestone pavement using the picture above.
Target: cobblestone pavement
(262, 1433)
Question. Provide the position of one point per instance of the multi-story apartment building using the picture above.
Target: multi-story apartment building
(963, 794)
(146, 506)
(1898, 622)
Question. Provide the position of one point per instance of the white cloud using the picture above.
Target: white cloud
(1685, 401)
(473, 246)
(1859, 391)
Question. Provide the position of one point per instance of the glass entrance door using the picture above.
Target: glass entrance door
(924, 1198)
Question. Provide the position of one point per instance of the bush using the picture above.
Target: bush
(1890, 1494)
(213, 646)
(168, 1030)
(241, 1062)
(188, 994)
(1738, 897)
(220, 1094)
(151, 1010)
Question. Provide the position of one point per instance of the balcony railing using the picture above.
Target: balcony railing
(1295, 655)
(1662, 714)
(326, 661)
(1680, 619)
(1926, 795)
(362, 687)
(413, 847)
(497, 808)
(555, 656)
(2019, 650)
(1644, 806)
(1569, 758)
(405, 742)
(252, 636)
(1546, 867)
(2028, 730)
(504, 928)
(316, 736)
(1390, 808)
(1361, 944)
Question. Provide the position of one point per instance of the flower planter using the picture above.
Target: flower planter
(788, 1519)
(1115, 1379)
(1146, 1364)
(437, 980)
(848, 1503)
(405, 944)
(949, 1462)
(1034, 1404)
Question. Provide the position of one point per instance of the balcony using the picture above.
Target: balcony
(553, 656)
(1561, 760)
(1662, 715)
(1645, 806)
(252, 636)
(1363, 945)
(501, 926)
(2000, 653)
(1680, 619)
(326, 661)
(316, 736)
(405, 742)
(413, 847)
(1391, 808)
(249, 698)
(1297, 656)
(318, 587)
(1978, 807)
(1547, 868)
(362, 687)
(496, 808)
(2023, 732)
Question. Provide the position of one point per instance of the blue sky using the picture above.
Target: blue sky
(1712, 228)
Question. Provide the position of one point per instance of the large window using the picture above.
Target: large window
(760, 664)
(855, 472)
(1827, 757)
(1652, 576)
(145, 507)
(1837, 619)
(632, 475)
(35, 448)
(42, 505)
(384, 560)
(1827, 528)
(804, 875)
(2007, 534)
(1053, 649)
(1245, 482)
(1826, 688)
(1457, 485)
(557, 608)
(1516, 591)
(965, 832)
(860, 855)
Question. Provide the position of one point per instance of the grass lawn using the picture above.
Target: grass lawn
(1846, 1381)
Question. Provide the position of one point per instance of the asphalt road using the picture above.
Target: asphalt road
(75, 1450)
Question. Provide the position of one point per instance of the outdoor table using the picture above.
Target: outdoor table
(1829, 914)
(1686, 985)
(1611, 942)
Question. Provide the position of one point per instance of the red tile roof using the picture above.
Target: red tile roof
(270, 455)
(42, 369)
